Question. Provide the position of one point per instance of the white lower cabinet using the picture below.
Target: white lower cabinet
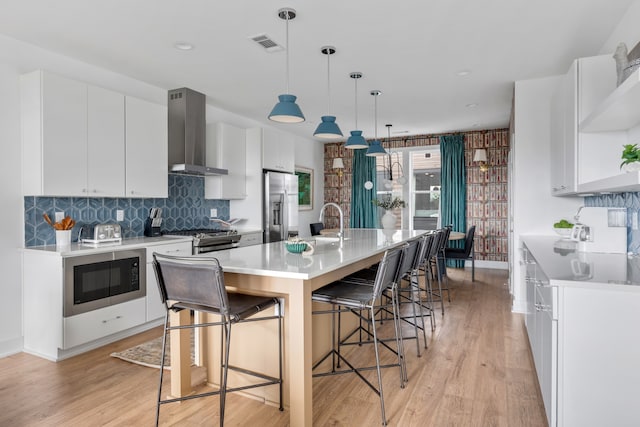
(90, 326)
(155, 307)
(542, 331)
(249, 239)
(48, 334)
(585, 352)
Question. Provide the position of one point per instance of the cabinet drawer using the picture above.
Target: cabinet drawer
(96, 324)
(250, 239)
(182, 248)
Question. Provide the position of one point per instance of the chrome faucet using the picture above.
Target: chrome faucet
(341, 232)
(576, 217)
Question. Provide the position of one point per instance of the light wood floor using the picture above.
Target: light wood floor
(477, 372)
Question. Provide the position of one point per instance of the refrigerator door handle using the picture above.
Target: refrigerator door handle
(284, 229)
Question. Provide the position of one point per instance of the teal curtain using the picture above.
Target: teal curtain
(363, 211)
(453, 193)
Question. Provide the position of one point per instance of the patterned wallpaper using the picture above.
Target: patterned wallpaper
(185, 208)
(486, 192)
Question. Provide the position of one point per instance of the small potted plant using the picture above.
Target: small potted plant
(630, 158)
(389, 219)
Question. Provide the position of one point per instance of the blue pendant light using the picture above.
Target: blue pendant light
(356, 141)
(328, 128)
(286, 110)
(375, 147)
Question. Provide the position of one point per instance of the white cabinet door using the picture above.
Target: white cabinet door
(105, 141)
(226, 149)
(146, 149)
(90, 326)
(155, 307)
(250, 239)
(564, 124)
(54, 135)
(277, 151)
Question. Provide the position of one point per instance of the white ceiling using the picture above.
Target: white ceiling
(411, 50)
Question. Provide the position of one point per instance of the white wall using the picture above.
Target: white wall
(534, 208)
(310, 154)
(627, 31)
(17, 58)
(11, 214)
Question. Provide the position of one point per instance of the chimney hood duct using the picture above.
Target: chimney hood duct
(187, 137)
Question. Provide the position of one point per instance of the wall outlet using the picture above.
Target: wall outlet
(214, 213)
(119, 215)
(59, 216)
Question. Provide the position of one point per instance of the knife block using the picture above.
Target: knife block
(150, 230)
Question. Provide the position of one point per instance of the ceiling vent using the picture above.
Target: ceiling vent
(267, 43)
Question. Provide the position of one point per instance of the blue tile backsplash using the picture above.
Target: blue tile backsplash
(185, 208)
(631, 201)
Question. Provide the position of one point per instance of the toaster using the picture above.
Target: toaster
(95, 234)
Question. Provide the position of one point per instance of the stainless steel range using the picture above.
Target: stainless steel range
(210, 240)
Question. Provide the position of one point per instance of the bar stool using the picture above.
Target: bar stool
(197, 283)
(348, 296)
(435, 267)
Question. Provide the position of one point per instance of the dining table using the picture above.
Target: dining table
(269, 269)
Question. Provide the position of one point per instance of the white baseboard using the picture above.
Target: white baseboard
(83, 348)
(496, 265)
(519, 306)
(9, 347)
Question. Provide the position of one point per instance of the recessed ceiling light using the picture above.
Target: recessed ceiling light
(462, 73)
(472, 105)
(183, 46)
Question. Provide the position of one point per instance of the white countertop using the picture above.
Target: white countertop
(76, 249)
(273, 259)
(565, 266)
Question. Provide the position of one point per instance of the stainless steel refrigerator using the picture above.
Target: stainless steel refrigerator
(280, 206)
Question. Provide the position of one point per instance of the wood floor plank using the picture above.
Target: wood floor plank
(477, 371)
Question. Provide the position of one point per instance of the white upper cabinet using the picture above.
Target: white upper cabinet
(54, 135)
(277, 151)
(146, 149)
(226, 149)
(105, 143)
(81, 140)
(563, 123)
(580, 159)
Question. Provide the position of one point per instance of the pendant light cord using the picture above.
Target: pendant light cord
(329, 83)
(356, 97)
(287, 43)
(375, 116)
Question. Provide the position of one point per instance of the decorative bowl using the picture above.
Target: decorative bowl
(564, 232)
(296, 247)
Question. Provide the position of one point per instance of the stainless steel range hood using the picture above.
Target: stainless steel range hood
(187, 138)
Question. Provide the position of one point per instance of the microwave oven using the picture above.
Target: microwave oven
(103, 279)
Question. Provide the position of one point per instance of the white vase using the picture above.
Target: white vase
(388, 220)
(631, 167)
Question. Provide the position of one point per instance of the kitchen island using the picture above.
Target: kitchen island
(269, 269)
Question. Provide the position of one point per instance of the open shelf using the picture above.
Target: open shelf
(619, 111)
(628, 181)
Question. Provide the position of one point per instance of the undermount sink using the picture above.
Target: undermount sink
(328, 238)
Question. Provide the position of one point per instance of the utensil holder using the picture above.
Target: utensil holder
(63, 238)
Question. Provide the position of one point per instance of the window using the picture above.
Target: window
(421, 192)
(425, 197)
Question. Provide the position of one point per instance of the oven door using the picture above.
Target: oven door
(213, 248)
